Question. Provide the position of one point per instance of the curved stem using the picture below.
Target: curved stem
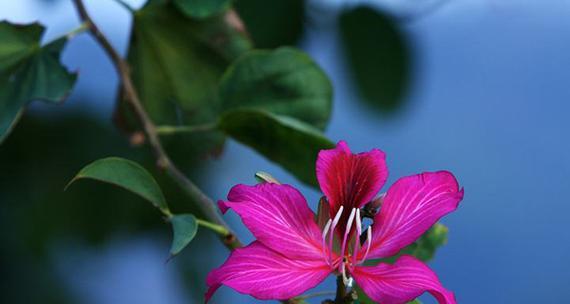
(221, 230)
(206, 204)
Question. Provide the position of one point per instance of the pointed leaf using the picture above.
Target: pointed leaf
(29, 72)
(292, 144)
(184, 227)
(125, 174)
(176, 65)
(285, 81)
(378, 54)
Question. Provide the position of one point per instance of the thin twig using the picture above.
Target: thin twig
(206, 204)
(125, 5)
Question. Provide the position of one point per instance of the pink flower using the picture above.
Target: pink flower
(293, 254)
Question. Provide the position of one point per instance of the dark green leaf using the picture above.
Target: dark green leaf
(378, 54)
(125, 174)
(202, 8)
(176, 65)
(184, 227)
(29, 71)
(292, 144)
(284, 82)
(272, 24)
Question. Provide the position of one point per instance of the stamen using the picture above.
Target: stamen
(333, 226)
(350, 282)
(337, 216)
(347, 231)
(344, 278)
(369, 243)
(325, 232)
(357, 237)
(358, 222)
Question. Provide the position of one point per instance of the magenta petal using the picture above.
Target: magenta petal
(279, 217)
(350, 179)
(411, 206)
(400, 283)
(258, 271)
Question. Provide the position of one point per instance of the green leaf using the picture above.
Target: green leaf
(202, 8)
(292, 144)
(184, 227)
(125, 174)
(275, 25)
(29, 72)
(177, 63)
(378, 54)
(285, 81)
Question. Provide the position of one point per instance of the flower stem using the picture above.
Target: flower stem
(340, 290)
(219, 229)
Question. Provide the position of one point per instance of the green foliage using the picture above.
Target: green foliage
(202, 8)
(291, 143)
(176, 66)
(284, 82)
(29, 72)
(273, 23)
(184, 227)
(125, 174)
(378, 54)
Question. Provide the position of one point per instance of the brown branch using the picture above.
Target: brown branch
(206, 204)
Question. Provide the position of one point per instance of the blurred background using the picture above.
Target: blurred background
(477, 87)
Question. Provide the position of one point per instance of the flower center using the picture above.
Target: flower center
(348, 258)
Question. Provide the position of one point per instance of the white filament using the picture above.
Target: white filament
(325, 232)
(369, 243)
(347, 231)
(333, 226)
(344, 278)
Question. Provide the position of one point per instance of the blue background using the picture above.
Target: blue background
(489, 102)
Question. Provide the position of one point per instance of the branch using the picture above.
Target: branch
(206, 204)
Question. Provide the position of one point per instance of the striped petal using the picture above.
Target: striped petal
(258, 271)
(411, 206)
(401, 282)
(350, 180)
(279, 217)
